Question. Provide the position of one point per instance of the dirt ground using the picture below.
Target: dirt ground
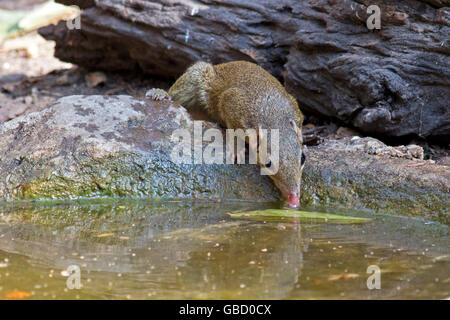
(31, 79)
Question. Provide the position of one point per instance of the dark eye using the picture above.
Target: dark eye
(303, 158)
(268, 164)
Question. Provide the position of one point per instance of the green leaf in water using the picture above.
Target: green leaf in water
(290, 215)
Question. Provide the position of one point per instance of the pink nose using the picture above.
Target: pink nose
(293, 200)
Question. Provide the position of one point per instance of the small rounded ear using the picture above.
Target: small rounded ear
(298, 131)
(293, 124)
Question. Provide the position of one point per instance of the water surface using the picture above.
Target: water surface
(142, 249)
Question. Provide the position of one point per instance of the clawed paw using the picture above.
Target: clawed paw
(157, 94)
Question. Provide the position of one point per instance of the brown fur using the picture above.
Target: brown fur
(242, 95)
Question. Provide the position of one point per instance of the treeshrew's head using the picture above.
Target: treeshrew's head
(288, 177)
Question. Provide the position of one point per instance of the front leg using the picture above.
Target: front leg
(157, 94)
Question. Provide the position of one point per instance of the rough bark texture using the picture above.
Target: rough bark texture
(119, 146)
(393, 81)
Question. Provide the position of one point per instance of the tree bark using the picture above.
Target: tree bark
(394, 81)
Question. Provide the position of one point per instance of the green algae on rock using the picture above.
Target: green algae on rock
(342, 173)
(112, 146)
(119, 146)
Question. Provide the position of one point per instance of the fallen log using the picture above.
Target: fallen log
(393, 81)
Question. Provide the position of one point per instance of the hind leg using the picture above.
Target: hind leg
(190, 89)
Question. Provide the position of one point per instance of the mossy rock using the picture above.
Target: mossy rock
(119, 146)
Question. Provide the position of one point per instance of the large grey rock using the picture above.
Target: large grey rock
(364, 173)
(94, 146)
(394, 81)
(119, 146)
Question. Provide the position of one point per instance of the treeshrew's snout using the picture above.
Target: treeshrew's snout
(293, 200)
